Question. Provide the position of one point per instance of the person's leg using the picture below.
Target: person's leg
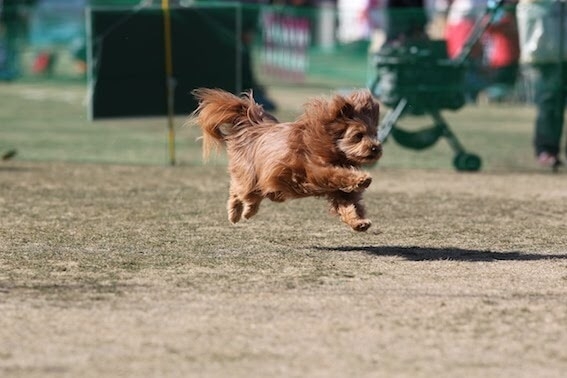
(249, 80)
(456, 36)
(10, 69)
(563, 74)
(550, 102)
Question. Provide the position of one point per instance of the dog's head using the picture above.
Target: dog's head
(352, 123)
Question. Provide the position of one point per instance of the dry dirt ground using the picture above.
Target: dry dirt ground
(134, 271)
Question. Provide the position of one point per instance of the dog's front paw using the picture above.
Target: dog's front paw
(363, 183)
(360, 184)
(361, 225)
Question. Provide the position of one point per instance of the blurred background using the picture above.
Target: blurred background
(93, 80)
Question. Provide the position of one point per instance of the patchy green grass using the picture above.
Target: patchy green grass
(48, 122)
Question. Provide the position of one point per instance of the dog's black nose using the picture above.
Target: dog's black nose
(376, 149)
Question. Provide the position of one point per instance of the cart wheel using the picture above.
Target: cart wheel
(419, 139)
(467, 162)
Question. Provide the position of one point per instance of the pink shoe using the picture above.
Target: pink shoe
(547, 160)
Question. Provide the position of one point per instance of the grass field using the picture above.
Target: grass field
(113, 263)
(48, 122)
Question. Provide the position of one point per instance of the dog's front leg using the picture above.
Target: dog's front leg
(349, 207)
(338, 178)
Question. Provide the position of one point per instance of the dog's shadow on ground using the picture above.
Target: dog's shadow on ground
(433, 254)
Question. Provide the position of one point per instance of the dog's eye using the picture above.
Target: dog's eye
(358, 136)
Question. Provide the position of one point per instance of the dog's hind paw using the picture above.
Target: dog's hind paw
(235, 212)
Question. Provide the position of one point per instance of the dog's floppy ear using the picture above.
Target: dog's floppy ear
(341, 107)
(365, 104)
(347, 110)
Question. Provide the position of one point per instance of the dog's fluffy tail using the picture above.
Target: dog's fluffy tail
(221, 114)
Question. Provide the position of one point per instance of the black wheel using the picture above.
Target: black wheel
(419, 139)
(467, 162)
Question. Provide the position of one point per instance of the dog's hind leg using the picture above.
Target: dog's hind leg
(235, 206)
(351, 210)
(252, 205)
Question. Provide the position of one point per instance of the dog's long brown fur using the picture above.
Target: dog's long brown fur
(319, 154)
